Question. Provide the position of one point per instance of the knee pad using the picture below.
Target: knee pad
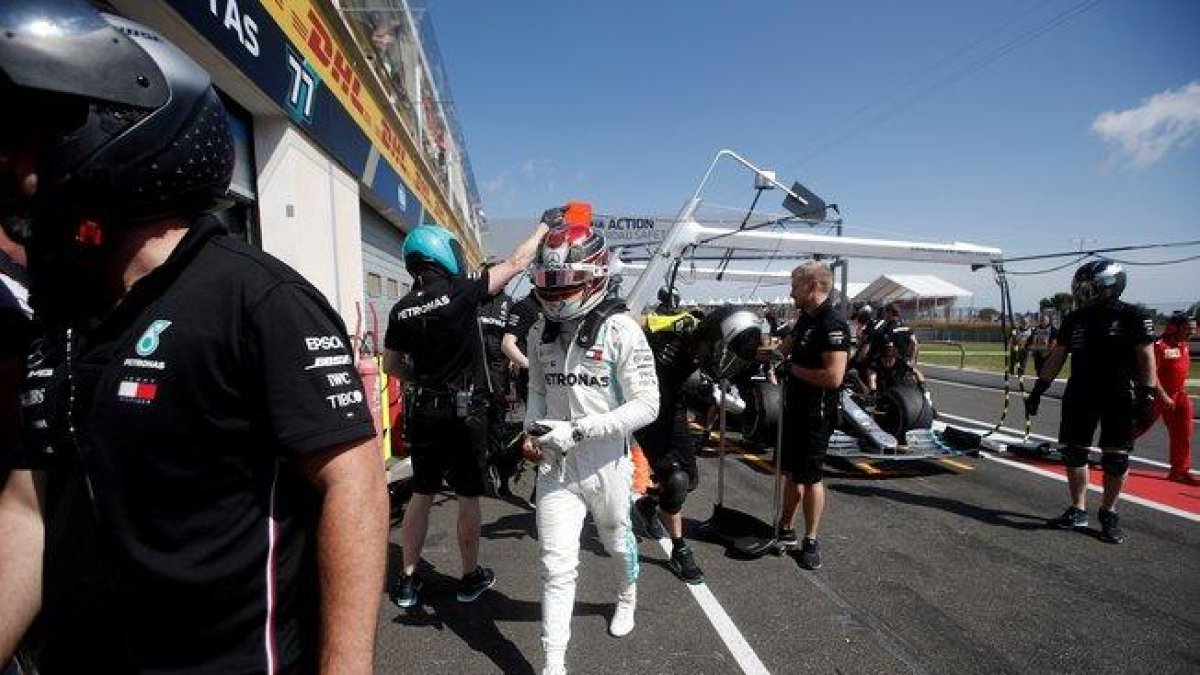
(1115, 464)
(673, 491)
(1074, 457)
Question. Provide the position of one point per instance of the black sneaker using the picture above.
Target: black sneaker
(474, 584)
(1110, 530)
(787, 538)
(810, 554)
(408, 595)
(1072, 518)
(683, 563)
(647, 510)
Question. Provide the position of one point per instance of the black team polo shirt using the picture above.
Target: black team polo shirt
(192, 399)
(437, 324)
(814, 335)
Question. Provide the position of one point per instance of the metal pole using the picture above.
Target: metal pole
(778, 510)
(845, 280)
(721, 449)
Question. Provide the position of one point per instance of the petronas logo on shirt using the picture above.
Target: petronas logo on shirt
(149, 340)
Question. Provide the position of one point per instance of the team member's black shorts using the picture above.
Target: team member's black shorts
(806, 435)
(442, 445)
(1085, 405)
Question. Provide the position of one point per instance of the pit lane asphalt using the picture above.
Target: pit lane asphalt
(928, 568)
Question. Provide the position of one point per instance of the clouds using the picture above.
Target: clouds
(1141, 136)
(534, 179)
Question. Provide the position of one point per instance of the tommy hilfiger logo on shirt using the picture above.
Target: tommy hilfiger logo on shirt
(137, 392)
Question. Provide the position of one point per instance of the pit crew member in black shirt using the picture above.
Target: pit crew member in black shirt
(892, 371)
(820, 344)
(1112, 385)
(434, 344)
(721, 343)
(521, 318)
(210, 494)
(493, 321)
(1042, 339)
(889, 329)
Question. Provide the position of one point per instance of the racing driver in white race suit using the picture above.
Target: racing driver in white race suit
(591, 384)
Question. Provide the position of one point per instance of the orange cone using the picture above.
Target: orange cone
(641, 471)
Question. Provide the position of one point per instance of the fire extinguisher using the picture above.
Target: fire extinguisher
(368, 370)
(391, 406)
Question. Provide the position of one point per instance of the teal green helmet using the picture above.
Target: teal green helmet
(433, 244)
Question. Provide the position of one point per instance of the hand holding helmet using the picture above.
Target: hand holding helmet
(553, 218)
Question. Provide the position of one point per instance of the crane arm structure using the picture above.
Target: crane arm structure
(687, 233)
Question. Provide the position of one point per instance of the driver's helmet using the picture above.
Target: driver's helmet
(570, 272)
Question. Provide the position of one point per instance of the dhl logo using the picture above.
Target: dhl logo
(308, 31)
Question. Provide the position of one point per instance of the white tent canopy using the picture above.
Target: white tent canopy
(919, 294)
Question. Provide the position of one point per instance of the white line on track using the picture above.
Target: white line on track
(1186, 515)
(1125, 496)
(730, 635)
(1018, 433)
(1014, 392)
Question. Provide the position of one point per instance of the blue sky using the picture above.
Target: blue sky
(968, 120)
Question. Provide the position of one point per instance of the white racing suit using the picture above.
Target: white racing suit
(609, 389)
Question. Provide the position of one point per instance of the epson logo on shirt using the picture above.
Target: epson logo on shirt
(410, 312)
(577, 379)
(323, 343)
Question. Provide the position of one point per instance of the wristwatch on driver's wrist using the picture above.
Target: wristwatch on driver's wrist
(576, 432)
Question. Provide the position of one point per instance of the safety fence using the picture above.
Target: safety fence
(962, 351)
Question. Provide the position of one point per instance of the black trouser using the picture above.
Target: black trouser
(1039, 359)
(503, 456)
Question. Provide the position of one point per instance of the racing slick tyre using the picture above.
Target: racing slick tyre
(761, 418)
(903, 408)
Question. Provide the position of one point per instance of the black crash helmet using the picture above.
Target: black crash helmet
(130, 128)
(732, 337)
(1098, 281)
